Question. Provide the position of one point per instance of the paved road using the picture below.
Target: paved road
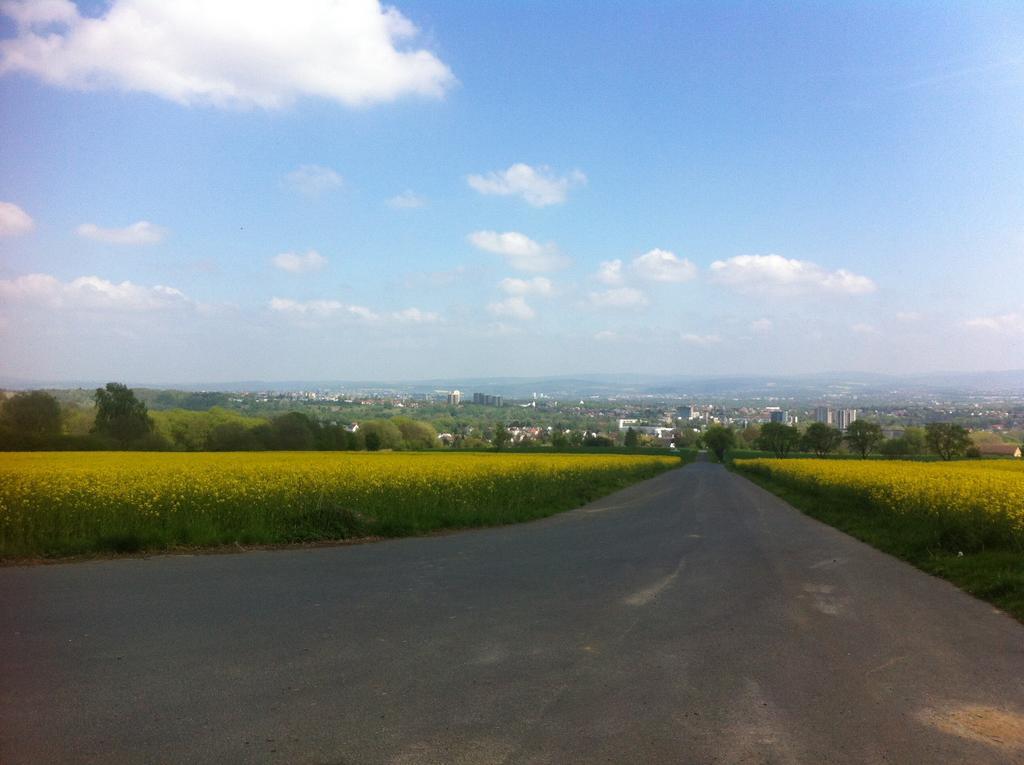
(693, 618)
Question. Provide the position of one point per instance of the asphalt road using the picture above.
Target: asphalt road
(693, 618)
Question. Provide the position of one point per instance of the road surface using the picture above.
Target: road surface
(693, 618)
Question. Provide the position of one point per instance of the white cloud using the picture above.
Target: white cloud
(321, 309)
(313, 180)
(88, 292)
(13, 220)
(233, 53)
(325, 309)
(909, 316)
(863, 328)
(407, 200)
(415, 316)
(521, 252)
(537, 185)
(761, 325)
(142, 232)
(538, 285)
(1011, 323)
(774, 274)
(663, 266)
(299, 264)
(610, 272)
(605, 336)
(700, 340)
(514, 308)
(618, 297)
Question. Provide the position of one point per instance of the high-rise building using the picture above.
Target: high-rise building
(686, 413)
(777, 415)
(454, 398)
(825, 414)
(487, 400)
(844, 417)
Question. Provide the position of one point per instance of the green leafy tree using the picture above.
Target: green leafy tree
(119, 415)
(821, 438)
(501, 436)
(631, 438)
(293, 431)
(777, 438)
(34, 413)
(947, 439)
(380, 434)
(718, 440)
(559, 440)
(417, 435)
(863, 437)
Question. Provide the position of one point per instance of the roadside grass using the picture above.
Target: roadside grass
(992, 575)
(67, 504)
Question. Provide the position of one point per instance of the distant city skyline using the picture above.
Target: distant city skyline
(336, 191)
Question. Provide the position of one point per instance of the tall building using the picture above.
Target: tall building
(686, 412)
(777, 415)
(844, 417)
(454, 398)
(825, 414)
(487, 400)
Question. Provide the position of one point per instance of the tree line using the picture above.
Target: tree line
(944, 439)
(35, 420)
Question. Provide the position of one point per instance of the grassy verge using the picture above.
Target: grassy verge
(61, 504)
(993, 575)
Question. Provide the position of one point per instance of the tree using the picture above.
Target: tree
(947, 439)
(631, 438)
(777, 438)
(293, 431)
(718, 440)
(34, 413)
(417, 435)
(863, 437)
(911, 442)
(120, 415)
(821, 438)
(380, 434)
(501, 436)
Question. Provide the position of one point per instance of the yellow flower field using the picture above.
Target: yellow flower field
(66, 503)
(970, 505)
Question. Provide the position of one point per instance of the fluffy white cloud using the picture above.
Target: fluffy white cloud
(521, 252)
(324, 309)
(774, 274)
(663, 266)
(142, 232)
(415, 316)
(299, 264)
(700, 340)
(88, 292)
(313, 180)
(610, 272)
(909, 316)
(761, 325)
(618, 297)
(863, 328)
(538, 285)
(537, 185)
(1010, 323)
(514, 308)
(13, 220)
(605, 336)
(226, 53)
(407, 200)
(321, 309)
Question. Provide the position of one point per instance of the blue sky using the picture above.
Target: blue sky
(344, 190)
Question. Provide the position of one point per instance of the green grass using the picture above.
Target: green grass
(993, 575)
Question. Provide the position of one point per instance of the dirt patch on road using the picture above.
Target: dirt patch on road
(996, 727)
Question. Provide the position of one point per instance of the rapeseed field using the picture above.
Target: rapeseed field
(54, 503)
(964, 506)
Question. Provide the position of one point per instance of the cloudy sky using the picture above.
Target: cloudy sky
(338, 189)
